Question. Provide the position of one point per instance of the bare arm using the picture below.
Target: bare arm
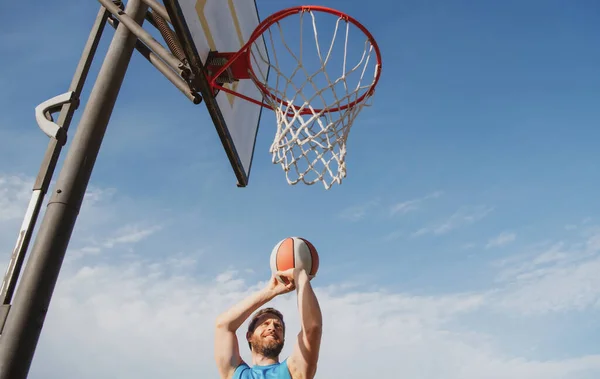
(302, 362)
(227, 353)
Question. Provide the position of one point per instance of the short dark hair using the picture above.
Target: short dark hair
(254, 320)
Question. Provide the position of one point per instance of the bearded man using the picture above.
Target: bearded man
(266, 333)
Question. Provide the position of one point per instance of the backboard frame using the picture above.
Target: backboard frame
(200, 81)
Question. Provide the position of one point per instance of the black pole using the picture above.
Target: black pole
(42, 182)
(32, 299)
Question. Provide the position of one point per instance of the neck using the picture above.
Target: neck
(260, 360)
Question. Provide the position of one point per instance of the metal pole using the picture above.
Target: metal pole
(40, 188)
(147, 38)
(181, 84)
(158, 8)
(32, 299)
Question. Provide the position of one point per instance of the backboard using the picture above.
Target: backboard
(203, 26)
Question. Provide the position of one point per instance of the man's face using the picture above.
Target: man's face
(268, 337)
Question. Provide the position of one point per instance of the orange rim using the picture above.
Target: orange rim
(265, 25)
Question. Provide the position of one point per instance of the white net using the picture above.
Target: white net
(315, 91)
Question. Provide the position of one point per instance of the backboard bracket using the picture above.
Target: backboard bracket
(233, 73)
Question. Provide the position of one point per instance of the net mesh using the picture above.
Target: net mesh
(315, 91)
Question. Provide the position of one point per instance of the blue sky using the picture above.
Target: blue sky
(464, 241)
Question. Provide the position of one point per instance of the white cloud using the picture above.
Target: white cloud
(412, 205)
(128, 235)
(136, 320)
(358, 212)
(15, 192)
(563, 277)
(502, 239)
(393, 235)
(149, 318)
(95, 195)
(131, 234)
(462, 217)
(556, 289)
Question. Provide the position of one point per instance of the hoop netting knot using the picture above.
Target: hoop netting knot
(315, 107)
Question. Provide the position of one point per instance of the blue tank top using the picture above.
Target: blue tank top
(274, 371)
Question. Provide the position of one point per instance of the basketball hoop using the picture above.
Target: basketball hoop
(315, 98)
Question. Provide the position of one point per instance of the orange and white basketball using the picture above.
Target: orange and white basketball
(295, 252)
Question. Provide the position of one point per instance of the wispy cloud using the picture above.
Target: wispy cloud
(120, 306)
(358, 212)
(560, 288)
(502, 239)
(412, 205)
(131, 234)
(561, 277)
(95, 195)
(462, 217)
(101, 240)
(535, 259)
(15, 192)
(95, 223)
(393, 235)
(468, 245)
(579, 225)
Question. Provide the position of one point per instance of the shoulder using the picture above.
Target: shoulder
(284, 370)
(242, 371)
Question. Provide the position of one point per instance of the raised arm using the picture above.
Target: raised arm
(227, 352)
(302, 363)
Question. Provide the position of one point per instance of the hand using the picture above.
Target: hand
(285, 281)
(292, 275)
(285, 285)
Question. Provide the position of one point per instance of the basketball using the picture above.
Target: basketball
(294, 252)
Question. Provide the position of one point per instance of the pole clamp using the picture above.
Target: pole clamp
(43, 115)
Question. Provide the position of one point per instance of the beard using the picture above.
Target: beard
(268, 348)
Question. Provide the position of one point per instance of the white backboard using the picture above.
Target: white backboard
(223, 25)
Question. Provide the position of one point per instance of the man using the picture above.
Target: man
(266, 333)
